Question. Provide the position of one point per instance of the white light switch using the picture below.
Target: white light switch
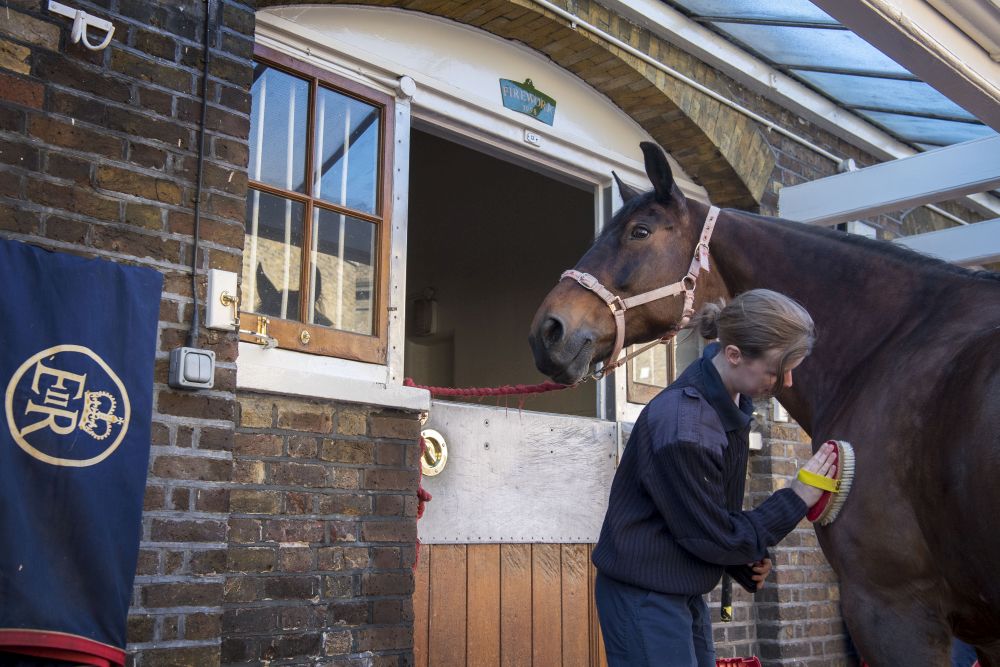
(222, 309)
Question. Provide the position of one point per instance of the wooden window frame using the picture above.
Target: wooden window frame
(317, 339)
(640, 392)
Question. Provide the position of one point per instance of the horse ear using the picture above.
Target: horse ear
(626, 190)
(658, 171)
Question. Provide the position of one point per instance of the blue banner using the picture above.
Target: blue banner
(77, 346)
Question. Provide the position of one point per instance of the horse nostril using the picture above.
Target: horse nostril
(552, 331)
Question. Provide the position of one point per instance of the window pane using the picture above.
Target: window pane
(885, 94)
(347, 148)
(928, 130)
(272, 255)
(813, 47)
(343, 273)
(772, 10)
(278, 112)
(652, 367)
(687, 350)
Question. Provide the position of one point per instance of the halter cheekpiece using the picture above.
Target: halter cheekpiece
(685, 286)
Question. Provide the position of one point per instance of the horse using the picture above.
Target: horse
(906, 367)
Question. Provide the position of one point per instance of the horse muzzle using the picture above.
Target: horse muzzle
(563, 356)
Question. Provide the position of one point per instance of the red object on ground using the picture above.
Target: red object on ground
(738, 662)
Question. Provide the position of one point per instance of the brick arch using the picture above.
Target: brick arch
(719, 148)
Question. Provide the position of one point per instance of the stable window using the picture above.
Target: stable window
(315, 260)
(650, 372)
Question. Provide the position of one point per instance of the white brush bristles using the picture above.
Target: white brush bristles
(845, 470)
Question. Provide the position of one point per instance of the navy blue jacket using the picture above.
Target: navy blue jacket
(675, 518)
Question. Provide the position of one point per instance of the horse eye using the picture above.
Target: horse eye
(639, 232)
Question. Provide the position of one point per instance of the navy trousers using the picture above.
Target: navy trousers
(644, 628)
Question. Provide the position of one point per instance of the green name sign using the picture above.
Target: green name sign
(524, 98)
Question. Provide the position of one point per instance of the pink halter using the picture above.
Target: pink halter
(685, 285)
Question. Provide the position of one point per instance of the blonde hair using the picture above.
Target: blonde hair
(757, 322)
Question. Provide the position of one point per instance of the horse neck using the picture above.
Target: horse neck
(836, 282)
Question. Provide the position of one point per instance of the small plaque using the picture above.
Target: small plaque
(524, 98)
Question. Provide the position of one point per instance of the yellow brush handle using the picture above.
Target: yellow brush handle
(819, 481)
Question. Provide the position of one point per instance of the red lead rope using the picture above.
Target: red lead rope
(505, 390)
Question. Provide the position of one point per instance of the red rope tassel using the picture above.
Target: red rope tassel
(423, 497)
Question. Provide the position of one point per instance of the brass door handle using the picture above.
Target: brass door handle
(435, 455)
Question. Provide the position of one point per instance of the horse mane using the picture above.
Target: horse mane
(887, 250)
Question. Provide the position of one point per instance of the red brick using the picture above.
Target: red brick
(77, 200)
(299, 474)
(389, 531)
(212, 500)
(290, 588)
(257, 444)
(21, 91)
(192, 468)
(138, 185)
(383, 426)
(287, 530)
(384, 638)
(249, 501)
(177, 594)
(149, 70)
(345, 503)
(187, 531)
(347, 451)
(195, 405)
(391, 480)
(202, 626)
(180, 655)
(254, 559)
(76, 137)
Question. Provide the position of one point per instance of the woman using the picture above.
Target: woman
(674, 520)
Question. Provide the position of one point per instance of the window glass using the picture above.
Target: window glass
(347, 143)
(272, 255)
(343, 272)
(278, 124)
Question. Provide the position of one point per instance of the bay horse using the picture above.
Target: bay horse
(906, 367)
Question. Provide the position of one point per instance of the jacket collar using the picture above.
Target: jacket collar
(703, 376)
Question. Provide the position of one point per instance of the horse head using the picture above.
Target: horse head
(648, 245)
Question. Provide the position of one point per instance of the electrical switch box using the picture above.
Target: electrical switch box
(191, 368)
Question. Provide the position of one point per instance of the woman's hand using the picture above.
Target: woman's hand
(760, 571)
(821, 463)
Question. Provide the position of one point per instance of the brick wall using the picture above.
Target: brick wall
(322, 528)
(98, 155)
(280, 529)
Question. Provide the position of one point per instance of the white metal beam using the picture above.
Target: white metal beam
(972, 244)
(938, 175)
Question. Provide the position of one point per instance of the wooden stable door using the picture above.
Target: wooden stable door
(482, 605)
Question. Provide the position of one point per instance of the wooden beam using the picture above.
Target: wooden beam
(938, 175)
(973, 244)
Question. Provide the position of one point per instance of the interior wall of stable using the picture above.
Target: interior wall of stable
(490, 238)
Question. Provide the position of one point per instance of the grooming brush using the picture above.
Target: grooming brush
(835, 489)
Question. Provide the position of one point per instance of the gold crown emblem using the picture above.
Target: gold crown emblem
(93, 414)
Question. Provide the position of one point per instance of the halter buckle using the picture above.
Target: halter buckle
(689, 281)
(617, 304)
(587, 280)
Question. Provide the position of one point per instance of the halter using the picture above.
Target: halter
(619, 305)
